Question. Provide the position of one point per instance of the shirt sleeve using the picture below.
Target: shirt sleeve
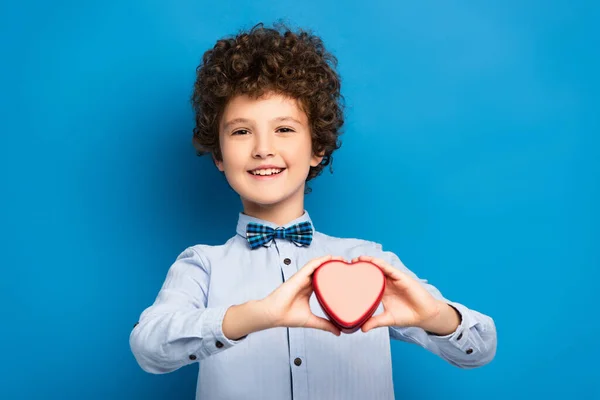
(471, 345)
(178, 329)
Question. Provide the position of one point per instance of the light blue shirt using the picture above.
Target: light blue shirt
(184, 326)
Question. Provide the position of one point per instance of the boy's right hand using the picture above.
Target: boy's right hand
(288, 305)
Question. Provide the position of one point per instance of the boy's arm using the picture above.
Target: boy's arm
(471, 345)
(178, 329)
(244, 319)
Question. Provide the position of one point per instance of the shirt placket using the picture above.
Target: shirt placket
(288, 259)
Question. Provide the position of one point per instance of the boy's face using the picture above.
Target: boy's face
(267, 151)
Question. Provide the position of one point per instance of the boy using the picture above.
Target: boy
(268, 111)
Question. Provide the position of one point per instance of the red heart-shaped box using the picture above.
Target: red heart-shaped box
(349, 293)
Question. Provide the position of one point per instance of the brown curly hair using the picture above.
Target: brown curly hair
(265, 60)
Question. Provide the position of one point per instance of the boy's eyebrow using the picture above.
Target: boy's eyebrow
(247, 121)
(286, 118)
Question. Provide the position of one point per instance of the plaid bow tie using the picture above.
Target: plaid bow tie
(258, 234)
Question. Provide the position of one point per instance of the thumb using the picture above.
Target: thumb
(322, 324)
(310, 267)
(377, 321)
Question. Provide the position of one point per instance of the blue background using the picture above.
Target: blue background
(470, 150)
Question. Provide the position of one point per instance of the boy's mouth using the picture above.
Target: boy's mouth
(266, 171)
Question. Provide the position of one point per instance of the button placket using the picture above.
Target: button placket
(289, 265)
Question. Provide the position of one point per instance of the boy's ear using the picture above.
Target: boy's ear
(316, 159)
(219, 164)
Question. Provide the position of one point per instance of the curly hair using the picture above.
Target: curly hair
(270, 60)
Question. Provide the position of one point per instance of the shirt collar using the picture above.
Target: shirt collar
(244, 219)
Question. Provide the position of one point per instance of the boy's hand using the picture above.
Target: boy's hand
(288, 305)
(407, 303)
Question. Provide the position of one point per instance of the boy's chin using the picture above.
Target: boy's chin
(269, 198)
(264, 201)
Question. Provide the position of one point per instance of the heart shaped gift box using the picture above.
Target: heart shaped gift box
(349, 293)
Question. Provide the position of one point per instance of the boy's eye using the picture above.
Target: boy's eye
(285, 130)
(245, 131)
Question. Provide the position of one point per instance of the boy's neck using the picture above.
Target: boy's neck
(279, 214)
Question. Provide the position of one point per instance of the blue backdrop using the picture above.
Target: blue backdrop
(471, 150)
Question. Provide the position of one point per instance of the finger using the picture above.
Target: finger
(303, 274)
(387, 269)
(310, 266)
(323, 324)
(313, 264)
(377, 321)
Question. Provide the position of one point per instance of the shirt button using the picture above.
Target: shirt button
(298, 361)
(192, 357)
(136, 324)
(219, 344)
(287, 261)
(469, 351)
(459, 336)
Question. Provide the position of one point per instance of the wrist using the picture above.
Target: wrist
(263, 313)
(445, 322)
(244, 319)
(266, 314)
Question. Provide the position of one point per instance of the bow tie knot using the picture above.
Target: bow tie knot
(259, 234)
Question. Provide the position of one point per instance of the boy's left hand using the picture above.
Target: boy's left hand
(406, 302)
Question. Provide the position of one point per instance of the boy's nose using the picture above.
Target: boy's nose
(263, 148)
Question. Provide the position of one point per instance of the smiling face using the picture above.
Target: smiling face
(267, 153)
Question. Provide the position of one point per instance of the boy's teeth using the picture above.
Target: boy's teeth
(269, 171)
